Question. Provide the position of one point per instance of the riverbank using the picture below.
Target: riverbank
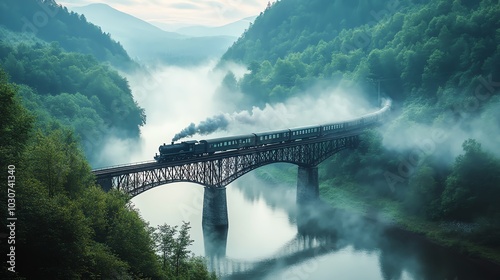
(349, 197)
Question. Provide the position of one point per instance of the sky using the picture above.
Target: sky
(182, 12)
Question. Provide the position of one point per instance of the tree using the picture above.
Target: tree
(129, 238)
(58, 163)
(230, 83)
(422, 197)
(176, 259)
(473, 186)
(166, 245)
(16, 123)
(181, 252)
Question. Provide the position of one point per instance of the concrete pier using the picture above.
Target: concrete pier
(215, 208)
(307, 184)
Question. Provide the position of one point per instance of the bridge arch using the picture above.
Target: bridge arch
(216, 171)
(219, 170)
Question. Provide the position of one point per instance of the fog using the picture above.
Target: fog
(264, 218)
(175, 97)
(443, 138)
(185, 101)
(327, 106)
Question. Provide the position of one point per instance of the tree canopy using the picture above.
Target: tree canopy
(439, 61)
(67, 227)
(75, 90)
(53, 23)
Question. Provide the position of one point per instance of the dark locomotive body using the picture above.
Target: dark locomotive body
(193, 148)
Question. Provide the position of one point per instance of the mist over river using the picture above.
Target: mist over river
(270, 238)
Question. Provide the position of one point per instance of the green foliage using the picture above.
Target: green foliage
(16, 122)
(130, 240)
(291, 26)
(165, 246)
(176, 259)
(70, 228)
(473, 186)
(422, 198)
(436, 59)
(413, 48)
(51, 22)
(74, 90)
(58, 163)
(15, 130)
(66, 227)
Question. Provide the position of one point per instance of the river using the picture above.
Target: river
(269, 237)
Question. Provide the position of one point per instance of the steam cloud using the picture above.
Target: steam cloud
(295, 112)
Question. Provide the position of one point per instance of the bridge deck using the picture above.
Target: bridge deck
(144, 166)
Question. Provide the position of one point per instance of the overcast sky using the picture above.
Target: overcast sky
(182, 12)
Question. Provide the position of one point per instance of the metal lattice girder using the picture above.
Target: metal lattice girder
(222, 168)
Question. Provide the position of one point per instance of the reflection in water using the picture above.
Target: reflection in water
(334, 244)
(215, 242)
(269, 237)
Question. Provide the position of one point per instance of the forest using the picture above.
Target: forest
(61, 96)
(71, 228)
(439, 61)
(51, 22)
(432, 169)
(67, 73)
(75, 90)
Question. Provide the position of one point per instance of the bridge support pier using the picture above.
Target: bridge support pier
(307, 184)
(215, 208)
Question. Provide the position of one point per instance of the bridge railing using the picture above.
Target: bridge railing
(122, 165)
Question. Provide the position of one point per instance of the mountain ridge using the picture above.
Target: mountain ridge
(235, 28)
(151, 44)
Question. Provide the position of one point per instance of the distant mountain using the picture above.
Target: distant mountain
(51, 22)
(120, 24)
(61, 66)
(146, 42)
(232, 29)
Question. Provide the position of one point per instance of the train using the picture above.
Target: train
(194, 148)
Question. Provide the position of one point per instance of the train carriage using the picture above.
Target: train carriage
(305, 132)
(194, 148)
(228, 143)
(353, 124)
(331, 128)
(272, 137)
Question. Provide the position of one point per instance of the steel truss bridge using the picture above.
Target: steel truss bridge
(218, 170)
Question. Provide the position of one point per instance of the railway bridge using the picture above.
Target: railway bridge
(216, 171)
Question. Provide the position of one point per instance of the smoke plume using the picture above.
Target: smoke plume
(205, 127)
(330, 106)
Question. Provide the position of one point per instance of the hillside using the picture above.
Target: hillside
(71, 228)
(148, 43)
(291, 26)
(70, 86)
(434, 167)
(50, 22)
(294, 48)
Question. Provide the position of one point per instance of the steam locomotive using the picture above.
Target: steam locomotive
(193, 148)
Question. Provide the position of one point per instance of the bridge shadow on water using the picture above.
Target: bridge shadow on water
(323, 231)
